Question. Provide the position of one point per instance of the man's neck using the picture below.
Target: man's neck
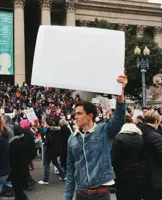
(152, 125)
(87, 127)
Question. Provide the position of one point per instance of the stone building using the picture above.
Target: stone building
(29, 14)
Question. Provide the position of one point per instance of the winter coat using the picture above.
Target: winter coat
(153, 144)
(153, 161)
(127, 149)
(29, 137)
(141, 125)
(64, 136)
(10, 129)
(4, 155)
(53, 143)
(159, 130)
(21, 150)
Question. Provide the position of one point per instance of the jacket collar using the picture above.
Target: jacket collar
(89, 131)
(16, 138)
(130, 128)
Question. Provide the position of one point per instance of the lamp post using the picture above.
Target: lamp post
(143, 64)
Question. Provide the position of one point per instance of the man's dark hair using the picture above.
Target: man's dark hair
(140, 118)
(89, 108)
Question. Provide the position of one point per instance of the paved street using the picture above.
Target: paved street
(53, 191)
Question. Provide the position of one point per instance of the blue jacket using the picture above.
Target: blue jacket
(88, 161)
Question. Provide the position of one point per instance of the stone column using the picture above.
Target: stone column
(19, 42)
(123, 27)
(46, 6)
(157, 36)
(70, 12)
(140, 31)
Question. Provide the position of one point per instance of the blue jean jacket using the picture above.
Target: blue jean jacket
(89, 158)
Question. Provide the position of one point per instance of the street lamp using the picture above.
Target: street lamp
(143, 64)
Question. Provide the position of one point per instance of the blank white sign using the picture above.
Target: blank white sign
(79, 58)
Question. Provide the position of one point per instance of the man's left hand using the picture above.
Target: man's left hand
(123, 80)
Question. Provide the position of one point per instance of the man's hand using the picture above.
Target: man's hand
(123, 80)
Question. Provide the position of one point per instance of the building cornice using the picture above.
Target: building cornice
(121, 6)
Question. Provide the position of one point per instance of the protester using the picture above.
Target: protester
(152, 171)
(19, 159)
(29, 183)
(4, 159)
(53, 150)
(89, 169)
(127, 160)
(9, 125)
(64, 136)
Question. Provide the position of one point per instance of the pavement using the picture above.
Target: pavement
(53, 191)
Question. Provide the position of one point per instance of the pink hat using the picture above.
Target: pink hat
(25, 123)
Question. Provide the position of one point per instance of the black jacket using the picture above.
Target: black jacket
(153, 144)
(64, 136)
(21, 149)
(29, 137)
(4, 155)
(127, 149)
(53, 143)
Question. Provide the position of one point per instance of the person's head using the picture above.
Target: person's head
(152, 118)
(128, 119)
(18, 130)
(25, 124)
(140, 119)
(7, 118)
(144, 110)
(85, 113)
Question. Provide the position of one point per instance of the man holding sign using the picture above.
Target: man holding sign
(89, 169)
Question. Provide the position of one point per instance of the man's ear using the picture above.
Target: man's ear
(91, 116)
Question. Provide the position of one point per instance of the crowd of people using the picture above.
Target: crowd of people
(121, 153)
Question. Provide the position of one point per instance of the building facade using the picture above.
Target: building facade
(29, 14)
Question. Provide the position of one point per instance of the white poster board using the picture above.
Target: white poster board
(12, 115)
(30, 114)
(95, 101)
(105, 104)
(112, 103)
(79, 58)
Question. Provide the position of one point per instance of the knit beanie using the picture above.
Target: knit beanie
(25, 123)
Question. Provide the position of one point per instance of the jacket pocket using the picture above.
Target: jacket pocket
(75, 151)
(97, 143)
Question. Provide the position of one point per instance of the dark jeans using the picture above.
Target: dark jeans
(47, 169)
(81, 196)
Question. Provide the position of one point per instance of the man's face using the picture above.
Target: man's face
(139, 120)
(144, 112)
(82, 119)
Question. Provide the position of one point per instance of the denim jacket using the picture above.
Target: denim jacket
(89, 158)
